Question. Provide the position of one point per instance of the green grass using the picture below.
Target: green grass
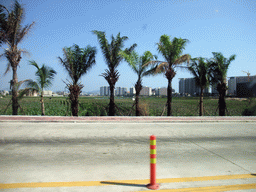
(98, 106)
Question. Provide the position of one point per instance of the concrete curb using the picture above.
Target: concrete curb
(117, 119)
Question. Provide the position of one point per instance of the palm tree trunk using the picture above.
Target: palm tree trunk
(112, 101)
(222, 104)
(137, 104)
(42, 103)
(74, 106)
(73, 96)
(14, 82)
(169, 98)
(138, 87)
(201, 112)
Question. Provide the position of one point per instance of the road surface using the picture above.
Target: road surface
(114, 156)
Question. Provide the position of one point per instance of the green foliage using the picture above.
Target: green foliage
(250, 110)
(78, 61)
(98, 106)
(219, 67)
(172, 50)
(44, 75)
(199, 67)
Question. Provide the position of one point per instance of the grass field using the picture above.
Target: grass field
(98, 106)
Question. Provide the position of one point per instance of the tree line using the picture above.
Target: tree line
(78, 62)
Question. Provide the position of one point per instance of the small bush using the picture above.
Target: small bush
(251, 111)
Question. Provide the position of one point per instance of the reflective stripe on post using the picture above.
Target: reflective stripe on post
(153, 184)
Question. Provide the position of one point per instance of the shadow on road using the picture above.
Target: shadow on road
(124, 184)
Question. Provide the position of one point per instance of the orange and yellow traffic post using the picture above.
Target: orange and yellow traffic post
(153, 184)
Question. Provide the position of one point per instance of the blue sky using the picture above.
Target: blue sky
(226, 26)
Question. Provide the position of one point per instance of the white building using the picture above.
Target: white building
(4, 92)
(163, 91)
(132, 91)
(104, 91)
(121, 91)
(157, 91)
(47, 93)
(146, 91)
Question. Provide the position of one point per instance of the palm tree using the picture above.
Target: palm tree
(77, 61)
(219, 67)
(20, 94)
(199, 67)
(12, 33)
(171, 51)
(137, 64)
(113, 59)
(45, 76)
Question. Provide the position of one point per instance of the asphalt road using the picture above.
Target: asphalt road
(71, 152)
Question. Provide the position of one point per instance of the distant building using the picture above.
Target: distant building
(31, 93)
(4, 92)
(246, 89)
(47, 93)
(232, 86)
(240, 86)
(121, 91)
(163, 91)
(157, 91)
(146, 91)
(132, 91)
(188, 86)
(105, 91)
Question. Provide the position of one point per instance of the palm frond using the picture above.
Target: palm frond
(32, 84)
(183, 59)
(201, 72)
(23, 32)
(22, 93)
(88, 59)
(78, 61)
(8, 68)
(164, 47)
(151, 71)
(44, 75)
(34, 64)
(153, 63)
(105, 47)
(111, 77)
(132, 59)
(219, 66)
(161, 68)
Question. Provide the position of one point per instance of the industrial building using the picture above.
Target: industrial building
(242, 86)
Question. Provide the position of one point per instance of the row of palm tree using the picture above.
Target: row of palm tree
(211, 72)
(78, 61)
